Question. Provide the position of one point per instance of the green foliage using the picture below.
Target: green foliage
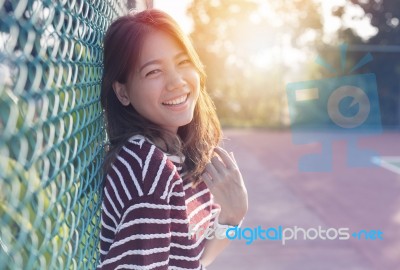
(384, 46)
(242, 44)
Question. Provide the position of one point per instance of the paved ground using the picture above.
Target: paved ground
(365, 198)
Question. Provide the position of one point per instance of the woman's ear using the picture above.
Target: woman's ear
(121, 93)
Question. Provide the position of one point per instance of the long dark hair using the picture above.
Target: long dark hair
(122, 45)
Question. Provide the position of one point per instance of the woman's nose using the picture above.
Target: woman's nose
(175, 80)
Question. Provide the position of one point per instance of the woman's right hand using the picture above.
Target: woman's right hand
(225, 182)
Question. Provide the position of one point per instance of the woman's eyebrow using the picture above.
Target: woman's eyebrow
(180, 54)
(151, 62)
(158, 61)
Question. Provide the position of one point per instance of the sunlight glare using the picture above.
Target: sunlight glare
(177, 9)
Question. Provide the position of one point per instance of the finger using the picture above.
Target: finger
(233, 157)
(229, 163)
(210, 169)
(218, 164)
(207, 179)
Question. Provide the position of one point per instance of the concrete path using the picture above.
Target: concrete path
(279, 194)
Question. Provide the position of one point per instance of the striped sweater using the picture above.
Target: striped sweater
(147, 210)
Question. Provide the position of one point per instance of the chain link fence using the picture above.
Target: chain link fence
(52, 134)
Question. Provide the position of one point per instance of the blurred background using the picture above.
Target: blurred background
(252, 50)
(52, 131)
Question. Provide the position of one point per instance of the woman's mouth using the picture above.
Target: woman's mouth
(176, 101)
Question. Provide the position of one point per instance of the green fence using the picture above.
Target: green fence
(52, 133)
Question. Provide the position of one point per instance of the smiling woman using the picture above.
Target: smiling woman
(163, 163)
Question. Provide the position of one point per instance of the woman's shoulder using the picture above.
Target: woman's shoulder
(148, 168)
(148, 151)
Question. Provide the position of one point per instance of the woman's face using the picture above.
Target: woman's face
(165, 86)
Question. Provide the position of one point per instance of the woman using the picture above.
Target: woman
(163, 166)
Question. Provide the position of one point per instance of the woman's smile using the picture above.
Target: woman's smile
(176, 101)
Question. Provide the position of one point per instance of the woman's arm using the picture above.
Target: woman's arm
(141, 240)
(225, 182)
(212, 249)
(216, 245)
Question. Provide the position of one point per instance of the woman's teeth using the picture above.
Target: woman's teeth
(176, 101)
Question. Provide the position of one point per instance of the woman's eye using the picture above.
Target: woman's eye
(153, 72)
(185, 61)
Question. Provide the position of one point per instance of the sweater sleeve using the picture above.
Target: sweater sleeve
(142, 239)
(136, 214)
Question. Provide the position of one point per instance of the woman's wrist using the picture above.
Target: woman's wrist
(229, 220)
(224, 230)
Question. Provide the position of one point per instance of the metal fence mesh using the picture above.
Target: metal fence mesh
(52, 135)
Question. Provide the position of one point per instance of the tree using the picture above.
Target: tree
(384, 15)
(241, 44)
